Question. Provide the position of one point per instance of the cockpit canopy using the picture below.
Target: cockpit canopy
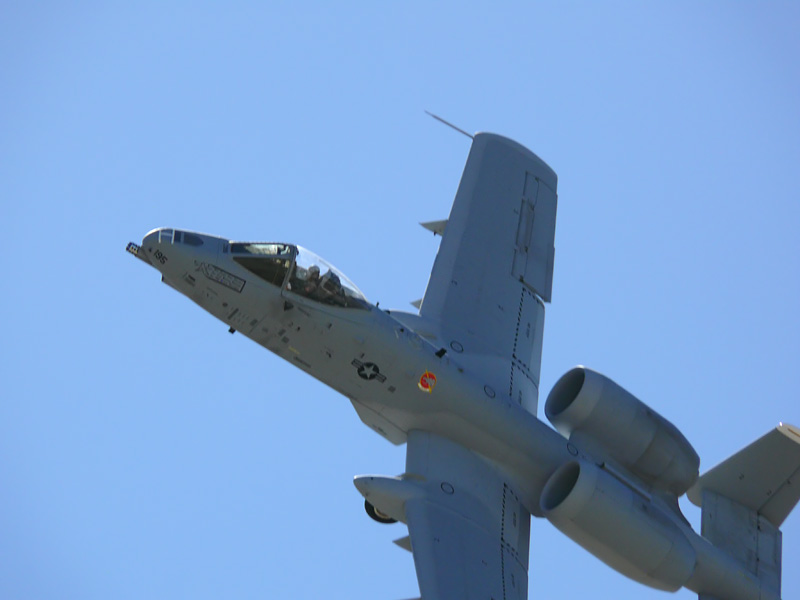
(176, 236)
(297, 271)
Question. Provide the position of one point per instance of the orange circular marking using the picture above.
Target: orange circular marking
(427, 382)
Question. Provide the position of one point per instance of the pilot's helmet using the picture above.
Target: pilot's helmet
(313, 272)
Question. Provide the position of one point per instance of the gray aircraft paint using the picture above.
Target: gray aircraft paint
(459, 383)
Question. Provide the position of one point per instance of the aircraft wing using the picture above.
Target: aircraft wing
(495, 263)
(469, 532)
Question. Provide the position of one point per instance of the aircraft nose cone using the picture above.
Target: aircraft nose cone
(150, 240)
(155, 244)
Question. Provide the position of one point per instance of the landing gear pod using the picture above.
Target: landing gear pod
(377, 515)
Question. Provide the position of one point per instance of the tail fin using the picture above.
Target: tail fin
(746, 498)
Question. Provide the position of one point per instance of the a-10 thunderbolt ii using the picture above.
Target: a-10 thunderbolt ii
(458, 383)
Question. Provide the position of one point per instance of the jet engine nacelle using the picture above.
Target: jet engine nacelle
(619, 526)
(586, 406)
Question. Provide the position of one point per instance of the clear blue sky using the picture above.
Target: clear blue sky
(146, 453)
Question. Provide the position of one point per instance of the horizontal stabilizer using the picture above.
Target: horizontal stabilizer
(437, 227)
(764, 476)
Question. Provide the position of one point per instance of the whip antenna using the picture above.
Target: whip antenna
(458, 129)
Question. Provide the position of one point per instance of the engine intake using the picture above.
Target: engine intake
(588, 407)
(617, 525)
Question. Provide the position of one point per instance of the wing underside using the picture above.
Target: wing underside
(469, 531)
(495, 265)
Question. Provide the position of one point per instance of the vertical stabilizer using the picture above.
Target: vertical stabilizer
(746, 536)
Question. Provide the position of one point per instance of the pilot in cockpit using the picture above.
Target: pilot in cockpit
(311, 282)
(325, 288)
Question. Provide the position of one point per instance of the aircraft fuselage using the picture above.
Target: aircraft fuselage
(397, 379)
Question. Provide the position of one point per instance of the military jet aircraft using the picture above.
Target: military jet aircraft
(458, 383)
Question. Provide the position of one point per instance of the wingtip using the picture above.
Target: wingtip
(790, 431)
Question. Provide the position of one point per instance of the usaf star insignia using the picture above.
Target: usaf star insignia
(368, 370)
